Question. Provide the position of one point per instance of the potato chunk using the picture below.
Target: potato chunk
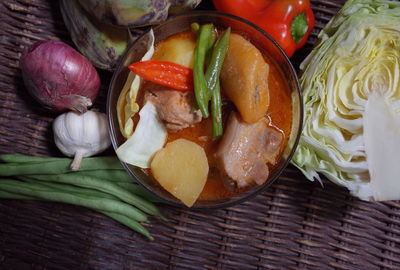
(244, 78)
(178, 49)
(181, 167)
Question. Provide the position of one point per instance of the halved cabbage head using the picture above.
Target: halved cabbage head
(351, 91)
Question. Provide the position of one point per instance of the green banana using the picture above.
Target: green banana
(101, 43)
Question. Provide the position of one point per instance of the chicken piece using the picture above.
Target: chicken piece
(272, 146)
(244, 151)
(175, 108)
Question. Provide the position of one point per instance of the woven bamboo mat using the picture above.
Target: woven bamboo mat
(294, 224)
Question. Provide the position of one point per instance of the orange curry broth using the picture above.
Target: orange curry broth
(279, 111)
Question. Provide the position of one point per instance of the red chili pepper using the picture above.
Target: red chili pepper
(289, 22)
(165, 73)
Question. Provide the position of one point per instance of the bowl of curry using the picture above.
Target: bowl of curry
(210, 154)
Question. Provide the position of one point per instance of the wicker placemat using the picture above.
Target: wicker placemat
(295, 224)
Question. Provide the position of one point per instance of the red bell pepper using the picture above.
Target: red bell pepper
(289, 22)
(165, 73)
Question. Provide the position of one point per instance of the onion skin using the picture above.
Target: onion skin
(59, 77)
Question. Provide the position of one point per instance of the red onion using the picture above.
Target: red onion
(59, 77)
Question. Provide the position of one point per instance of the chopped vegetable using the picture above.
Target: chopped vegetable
(126, 104)
(244, 78)
(81, 135)
(216, 111)
(212, 79)
(182, 169)
(217, 59)
(194, 28)
(177, 49)
(164, 73)
(205, 41)
(206, 85)
(59, 77)
(288, 22)
(149, 137)
(351, 97)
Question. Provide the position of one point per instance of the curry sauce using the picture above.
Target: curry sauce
(279, 112)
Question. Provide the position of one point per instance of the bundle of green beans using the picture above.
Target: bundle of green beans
(209, 57)
(101, 184)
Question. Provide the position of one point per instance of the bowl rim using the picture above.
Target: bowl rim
(284, 164)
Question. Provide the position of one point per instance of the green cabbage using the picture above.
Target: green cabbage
(126, 104)
(358, 54)
(149, 137)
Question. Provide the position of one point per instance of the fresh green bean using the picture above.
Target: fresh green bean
(217, 59)
(10, 195)
(101, 185)
(216, 111)
(130, 223)
(77, 197)
(130, 189)
(206, 33)
(21, 158)
(139, 190)
(67, 188)
(195, 27)
(212, 79)
(110, 175)
(59, 166)
(119, 174)
(210, 45)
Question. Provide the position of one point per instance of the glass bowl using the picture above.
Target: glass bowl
(181, 23)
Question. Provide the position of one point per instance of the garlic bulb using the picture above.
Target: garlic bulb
(81, 135)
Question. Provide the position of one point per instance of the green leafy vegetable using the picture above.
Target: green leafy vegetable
(357, 58)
